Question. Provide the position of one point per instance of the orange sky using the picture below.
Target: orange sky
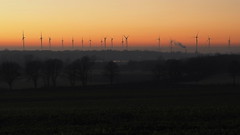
(143, 20)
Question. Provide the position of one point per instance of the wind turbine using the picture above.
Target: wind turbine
(122, 43)
(126, 38)
(112, 42)
(229, 42)
(209, 41)
(159, 43)
(50, 42)
(23, 40)
(197, 43)
(41, 39)
(72, 42)
(101, 43)
(82, 43)
(171, 46)
(90, 43)
(62, 43)
(105, 42)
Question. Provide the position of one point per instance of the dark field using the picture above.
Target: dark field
(105, 110)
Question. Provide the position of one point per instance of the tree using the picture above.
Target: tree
(10, 71)
(111, 71)
(33, 71)
(234, 70)
(83, 68)
(51, 70)
(71, 72)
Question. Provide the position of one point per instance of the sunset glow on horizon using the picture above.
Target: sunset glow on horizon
(143, 20)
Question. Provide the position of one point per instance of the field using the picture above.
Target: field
(121, 111)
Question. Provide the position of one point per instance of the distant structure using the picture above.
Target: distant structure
(82, 43)
(197, 43)
(41, 39)
(176, 43)
(105, 42)
(72, 43)
(209, 41)
(126, 41)
(90, 43)
(229, 42)
(159, 43)
(171, 46)
(62, 43)
(50, 42)
(101, 43)
(23, 40)
(112, 42)
(122, 43)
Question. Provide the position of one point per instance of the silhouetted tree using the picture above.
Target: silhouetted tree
(51, 70)
(174, 69)
(160, 70)
(111, 71)
(234, 70)
(33, 71)
(10, 71)
(71, 72)
(84, 66)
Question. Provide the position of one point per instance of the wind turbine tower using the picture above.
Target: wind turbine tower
(196, 43)
(82, 43)
(112, 42)
(41, 39)
(105, 42)
(90, 43)
(122, 43)
(171, 46)
(126, 40)
(101, 43)
(72, 42)
(229, 42)
(23, 40)
(50, 42)
(209, 41)
(62, 43)
(159, 43)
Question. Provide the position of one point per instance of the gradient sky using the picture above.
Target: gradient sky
(143, 20)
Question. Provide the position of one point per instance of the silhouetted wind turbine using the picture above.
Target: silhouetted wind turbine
(41, 39)
(105, 42)
(23, 40)
(112, 42)
(209, 41)
(90, 43)
(197, 43)
(126, 38)
(159, 43)
(122, 43)
(101, 43)
(82, 43)
(229, 42)
(62, 43)
(171, 46)
(72, 42)
(50, 42)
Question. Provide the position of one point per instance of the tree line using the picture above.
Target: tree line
(170, 71)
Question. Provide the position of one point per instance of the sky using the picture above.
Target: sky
(143, 20)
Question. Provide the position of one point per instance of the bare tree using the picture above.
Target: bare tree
(84, 66)
(234, 70)
(111, 71)
(71, 72)
(33, 71)
(10, 71)
(51, 70)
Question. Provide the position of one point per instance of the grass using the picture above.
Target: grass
(118, 111)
